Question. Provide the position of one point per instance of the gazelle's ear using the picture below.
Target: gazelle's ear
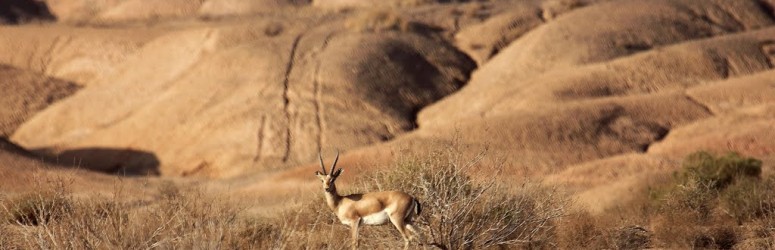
(319, 174)
(338, 172)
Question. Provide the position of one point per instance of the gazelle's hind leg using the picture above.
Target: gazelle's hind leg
(398, 221)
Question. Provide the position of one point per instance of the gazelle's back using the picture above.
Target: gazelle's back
(368, 203)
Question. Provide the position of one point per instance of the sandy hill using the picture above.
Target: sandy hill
(24, 94)
(590, 94)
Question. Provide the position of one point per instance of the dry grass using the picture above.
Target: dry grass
(178, 219)
(458, 213)
(463, 213)
(715, 202)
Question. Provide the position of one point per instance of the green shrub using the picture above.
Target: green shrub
(719, 171)
(731, 181)
(711, 190)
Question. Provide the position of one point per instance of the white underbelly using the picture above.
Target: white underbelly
(375, 218)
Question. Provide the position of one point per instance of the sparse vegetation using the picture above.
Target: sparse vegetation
(713, 202)
(462, 213)
(708, 170)
(692, 210)
(711, 199)
(33, 209)
(54, 219)
(729, 184)
(458, 213)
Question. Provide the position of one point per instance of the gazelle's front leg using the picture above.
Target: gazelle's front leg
(354, 232)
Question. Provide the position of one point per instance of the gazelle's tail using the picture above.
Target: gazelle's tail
(417, 207)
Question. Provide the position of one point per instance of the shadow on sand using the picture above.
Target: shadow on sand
(23, 11)
(128, 162)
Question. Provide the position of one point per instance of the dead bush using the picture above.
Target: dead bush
(462, 213)
(178, 219)
(33, 209)
(581, 230)
(631, 237)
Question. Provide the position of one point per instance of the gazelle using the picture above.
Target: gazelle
(374, 208)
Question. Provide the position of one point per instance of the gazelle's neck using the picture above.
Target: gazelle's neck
(332, 198)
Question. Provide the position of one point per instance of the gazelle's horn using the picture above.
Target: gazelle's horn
(323, 167)
(335, 160)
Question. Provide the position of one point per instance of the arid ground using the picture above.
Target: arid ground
(597, 99)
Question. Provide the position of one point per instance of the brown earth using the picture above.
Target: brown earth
(595, 96)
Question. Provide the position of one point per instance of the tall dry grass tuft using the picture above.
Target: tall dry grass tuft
(312, 225)
(176, 219)
(36, 208)
(718, 172)
(460, 212)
